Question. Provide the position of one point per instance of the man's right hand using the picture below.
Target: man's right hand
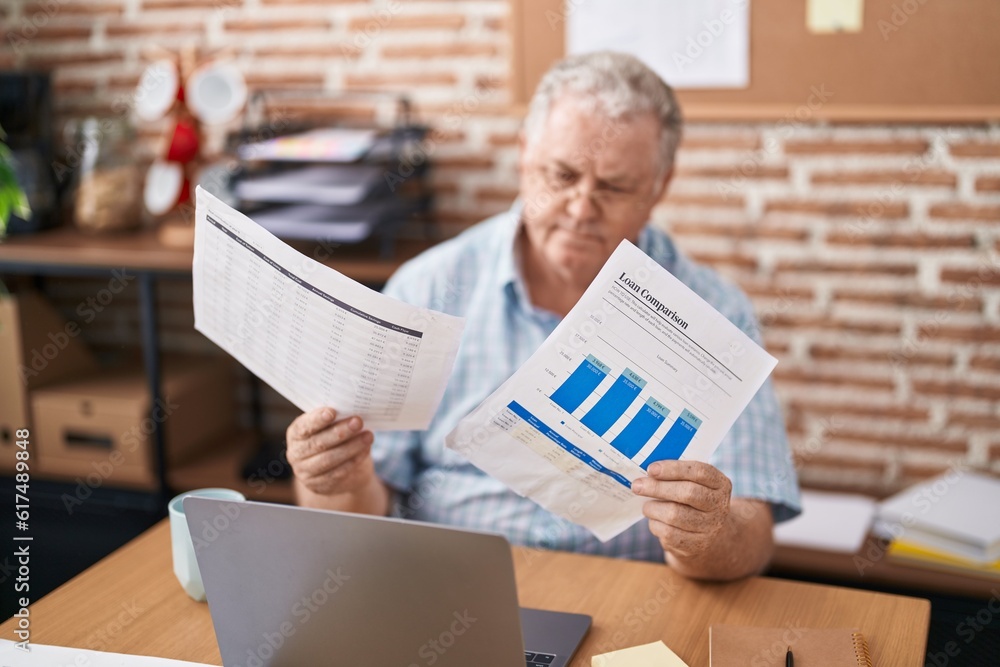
(330, 456)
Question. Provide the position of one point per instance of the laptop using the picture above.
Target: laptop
(296, 586)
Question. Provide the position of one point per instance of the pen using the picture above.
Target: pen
(789, 660)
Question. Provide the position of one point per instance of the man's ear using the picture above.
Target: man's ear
(522, 150)
(661, 186)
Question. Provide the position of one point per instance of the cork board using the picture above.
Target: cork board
(913, 61)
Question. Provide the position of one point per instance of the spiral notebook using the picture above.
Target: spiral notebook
(731, 645)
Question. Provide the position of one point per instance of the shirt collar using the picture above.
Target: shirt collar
(508, 273)
(658, 245)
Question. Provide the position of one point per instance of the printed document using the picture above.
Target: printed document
(641, 370)
(44, 655)
(317, 337)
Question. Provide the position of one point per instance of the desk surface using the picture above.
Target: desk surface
(131, 603)
(140, 250)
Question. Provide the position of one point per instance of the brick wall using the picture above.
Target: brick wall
(872, 253)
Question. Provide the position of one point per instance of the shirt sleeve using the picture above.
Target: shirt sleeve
(755, 454)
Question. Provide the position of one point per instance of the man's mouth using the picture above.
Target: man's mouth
(588, 234)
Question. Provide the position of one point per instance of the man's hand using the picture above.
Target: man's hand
(328, 456)
(690, 505)
(704, 532)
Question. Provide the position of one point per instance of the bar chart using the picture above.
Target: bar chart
(613, 404)
(580, 384)
(610, 408)
(641, 428)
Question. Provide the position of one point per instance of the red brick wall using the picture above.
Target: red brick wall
(872, 252)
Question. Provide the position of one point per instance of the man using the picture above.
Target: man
(596, 155)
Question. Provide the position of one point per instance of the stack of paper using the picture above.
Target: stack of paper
(949, 520)
(323, 145)
(346, 224)
(332, 185)
(829, 522)
(333, 202)
(915, 554)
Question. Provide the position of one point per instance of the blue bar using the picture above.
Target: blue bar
(580, 384)
(642, 427)
(552, 435)
(676, 440)
(613, 404)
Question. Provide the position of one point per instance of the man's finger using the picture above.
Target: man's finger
(692, 471)
(330, 459)
(309, 423)
(677, 540)
(330, 437)
(679, 516)
(692, 494)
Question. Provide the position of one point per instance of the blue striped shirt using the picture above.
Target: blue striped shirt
(475, 275)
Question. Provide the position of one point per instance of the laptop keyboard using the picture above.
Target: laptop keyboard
(538, 659)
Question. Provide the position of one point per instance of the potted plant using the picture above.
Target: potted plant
(13, 201)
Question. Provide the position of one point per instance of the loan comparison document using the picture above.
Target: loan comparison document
(641, 370)
(317, 337)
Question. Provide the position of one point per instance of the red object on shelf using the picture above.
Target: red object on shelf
(184, 142)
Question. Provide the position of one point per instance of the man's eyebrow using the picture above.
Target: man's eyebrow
(614, 180)
(618, 181)
(567, 166)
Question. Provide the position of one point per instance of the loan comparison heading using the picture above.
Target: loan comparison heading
(657, 305)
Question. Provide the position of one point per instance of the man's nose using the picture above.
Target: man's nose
(581, 206)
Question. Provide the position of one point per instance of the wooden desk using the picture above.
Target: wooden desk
(131, 603)
(68, 248)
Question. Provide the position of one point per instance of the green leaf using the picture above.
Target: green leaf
(21, 206)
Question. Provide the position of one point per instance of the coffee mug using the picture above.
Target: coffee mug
(182, 546)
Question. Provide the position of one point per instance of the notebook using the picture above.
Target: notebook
(913, 553)
(731, 645)
(941, 514)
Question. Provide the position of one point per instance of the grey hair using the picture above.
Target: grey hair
(616, 84)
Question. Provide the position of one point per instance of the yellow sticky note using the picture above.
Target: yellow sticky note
(834, 15)
(648, 655)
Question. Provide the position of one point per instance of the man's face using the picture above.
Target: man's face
(588, 182)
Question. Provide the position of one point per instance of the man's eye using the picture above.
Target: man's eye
(564, 176)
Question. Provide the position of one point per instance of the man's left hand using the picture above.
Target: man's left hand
(689, 506)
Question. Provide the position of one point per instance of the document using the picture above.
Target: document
(43, 655)
(641, 370)
(703, 44)
(317, 337)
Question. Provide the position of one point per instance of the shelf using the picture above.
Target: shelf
(67, 249)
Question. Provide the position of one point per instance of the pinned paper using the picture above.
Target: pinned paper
(648, 655)
(824, 16)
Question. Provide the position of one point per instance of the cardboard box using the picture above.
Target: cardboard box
(98, 428)
(37, 348)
